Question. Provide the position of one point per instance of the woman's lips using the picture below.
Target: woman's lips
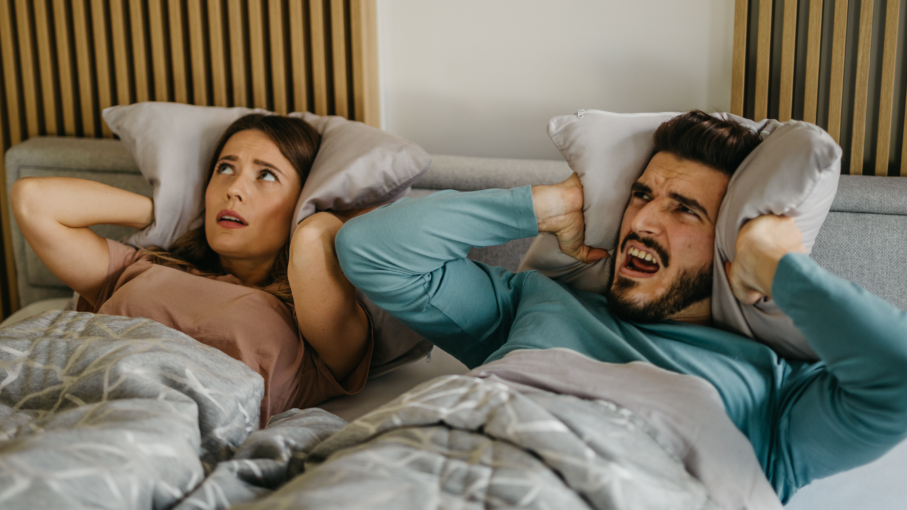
(230, 219)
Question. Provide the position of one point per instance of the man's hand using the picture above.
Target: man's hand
(559, 210)
(760, 245)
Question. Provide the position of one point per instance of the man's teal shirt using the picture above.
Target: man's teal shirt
(805, 421)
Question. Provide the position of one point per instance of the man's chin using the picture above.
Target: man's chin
(626, 302)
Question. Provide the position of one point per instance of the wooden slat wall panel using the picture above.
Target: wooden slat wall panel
(100, 27)
(813, 46)
(841, 63)
(788, 50)
(198, 54)
(763, 54)
(178, 52)
(738, 72)
(886, 102)
(858, 140)
(87, 109)
(278, 56)
(836, 88)
(27, 67)
(319, 57)
(65, 65)
(63, 61)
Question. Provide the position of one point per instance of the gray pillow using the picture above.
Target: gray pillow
(356, 166)
(794, 172)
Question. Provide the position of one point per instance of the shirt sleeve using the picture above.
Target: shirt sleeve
(851, 408)
(409, 258)
(120, 256)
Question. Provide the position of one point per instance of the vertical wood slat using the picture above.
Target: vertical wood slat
(861, 93)
(27, 65)
(788, 49)
(10, 73)
(218, 53)
(83, 63)
(278, 57)
(158, 50)
(257, 53)
(178, 51)
(886, 100)
(64, 65)
(100, 26)
(237, 52)
(120, 57)
(13, 127)
(836, 87)
(738, 71)
(763, 55)
(363, 23)
(297, 57)
(338, 53)
(137, 29)
(813, 45)
(197, 54)
(319, 60)
(46, 66)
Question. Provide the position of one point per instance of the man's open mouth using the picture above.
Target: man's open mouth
(641, 261)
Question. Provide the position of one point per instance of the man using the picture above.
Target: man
(804, 421)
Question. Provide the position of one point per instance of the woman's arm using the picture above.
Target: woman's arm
(327, 312)
(54, 214)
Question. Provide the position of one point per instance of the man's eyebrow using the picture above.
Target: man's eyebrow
(690, 203)
(638, 186)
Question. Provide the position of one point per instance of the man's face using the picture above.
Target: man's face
(663, 264)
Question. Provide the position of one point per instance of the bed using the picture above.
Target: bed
(868, 211)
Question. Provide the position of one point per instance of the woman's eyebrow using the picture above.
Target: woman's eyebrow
(268, 165)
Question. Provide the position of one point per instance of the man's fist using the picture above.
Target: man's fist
(559, 210)
(761, 244)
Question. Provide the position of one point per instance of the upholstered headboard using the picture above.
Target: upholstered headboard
(863, 240)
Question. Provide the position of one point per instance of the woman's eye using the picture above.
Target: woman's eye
(267, 175)
(224, 168)
(640, 195)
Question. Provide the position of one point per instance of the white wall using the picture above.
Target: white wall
(482, 77)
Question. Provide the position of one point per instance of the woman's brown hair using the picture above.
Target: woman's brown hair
(298, 142)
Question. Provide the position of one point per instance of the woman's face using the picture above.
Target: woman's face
(250, 200)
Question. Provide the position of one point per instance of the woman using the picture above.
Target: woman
(236, 283)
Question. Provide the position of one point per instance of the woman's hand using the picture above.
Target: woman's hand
(761, 244)
(54, 214)
(327, 312)
(559, 210)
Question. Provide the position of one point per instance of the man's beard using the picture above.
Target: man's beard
(690, 287)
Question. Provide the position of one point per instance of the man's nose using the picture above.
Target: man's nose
(648, 219)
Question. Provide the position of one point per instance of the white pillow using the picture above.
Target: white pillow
(356, 166)
(794, 172)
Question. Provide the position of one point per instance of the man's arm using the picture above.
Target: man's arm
(855, 409)
(409, 258)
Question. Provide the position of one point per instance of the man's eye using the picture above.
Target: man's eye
(224, 168)
(267, 175)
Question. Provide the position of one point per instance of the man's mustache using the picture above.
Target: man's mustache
(648, 243)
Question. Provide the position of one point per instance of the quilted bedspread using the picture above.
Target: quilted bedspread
(112, 412)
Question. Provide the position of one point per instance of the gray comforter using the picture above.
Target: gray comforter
(113, 412)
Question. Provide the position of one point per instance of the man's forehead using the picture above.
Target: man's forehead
(667, 174)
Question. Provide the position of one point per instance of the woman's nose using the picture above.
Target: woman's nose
(237, 190)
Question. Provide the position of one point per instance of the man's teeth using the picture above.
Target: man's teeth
(641, 255)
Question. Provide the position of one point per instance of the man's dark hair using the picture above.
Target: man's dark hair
(714, 142)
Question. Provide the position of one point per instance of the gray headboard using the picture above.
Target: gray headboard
(863, 240)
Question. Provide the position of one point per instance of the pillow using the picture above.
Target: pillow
(356, 166)
(793, 172)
